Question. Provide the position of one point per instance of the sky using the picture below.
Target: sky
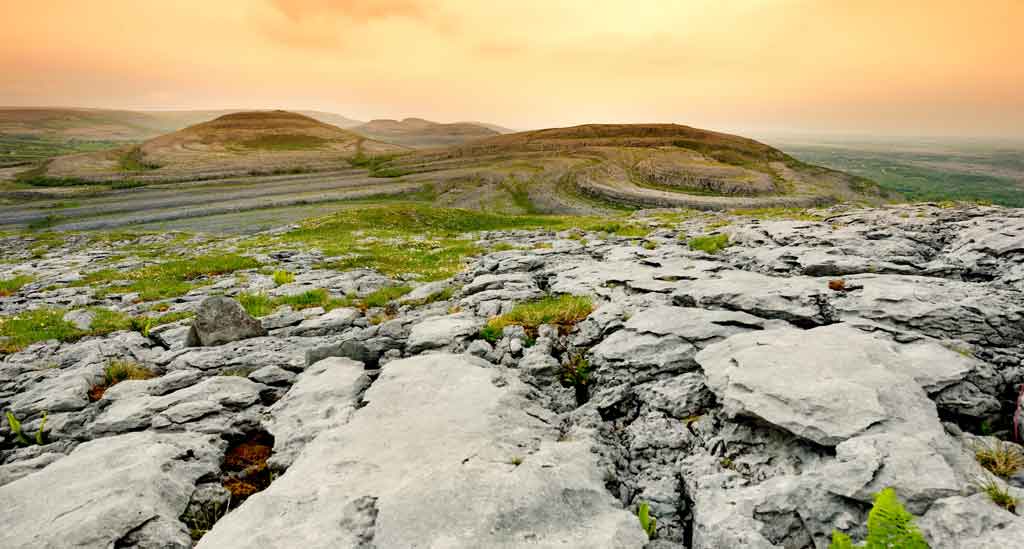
(893, 67)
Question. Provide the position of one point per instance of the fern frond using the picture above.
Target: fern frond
(890, 525)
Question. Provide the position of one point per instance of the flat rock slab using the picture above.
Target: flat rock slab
(431, 461)
(121, 491)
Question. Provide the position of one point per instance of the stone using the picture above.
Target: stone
(109, 490)
(438, 332)
(324, 397)
(11, 472)
(80, 318)
(221, 320)
(507, 480)
(272, 375)
(972, 522)
(332, 322)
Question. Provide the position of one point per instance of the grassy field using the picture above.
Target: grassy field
(24, 149)
(925, 170)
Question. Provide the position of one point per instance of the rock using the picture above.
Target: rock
(438, 332)
(13, 471)
(172, 336)
(423, 292)
(272, 375)
(970, 523)
(324, 397)
(480, 348)
(221, 320)
(109, 491)
(334, 321)
(131, 411)
(247, 355)
(376, 495)
(80, 318)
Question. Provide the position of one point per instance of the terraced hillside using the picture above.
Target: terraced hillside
(214, 172)
(659, 165)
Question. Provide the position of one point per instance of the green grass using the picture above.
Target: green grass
(1000, 458)
(45, 222)
(796, 214)
(998, 494)
(120, 370)
(21, 149)
(285, 142)
(171, 278)
(44, 324)
(283, 277)
(384, 296)
(10, 286)
(257, 305)
(711, 244)
(563, 311)
(377, 165)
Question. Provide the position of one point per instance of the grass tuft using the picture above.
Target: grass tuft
(563, 311)
(711, 244)
(1000, 458)
(10, 286)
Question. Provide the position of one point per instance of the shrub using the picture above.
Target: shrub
(283, 277)
(562, 310)
(1000, 458)
(711, 244)
(889, 525)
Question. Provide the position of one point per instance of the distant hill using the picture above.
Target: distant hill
(640, 165)
(420, 133)
(119, 125)
(242, 142)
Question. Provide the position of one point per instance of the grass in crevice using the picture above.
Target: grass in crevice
(116, 372)
(563, 311)
(44, 324)
(1000, 458)
(171, 278)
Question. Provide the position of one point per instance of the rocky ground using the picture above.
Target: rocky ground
(759, 396)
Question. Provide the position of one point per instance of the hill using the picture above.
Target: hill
(635, 165)
(236, 143)
(420, 133)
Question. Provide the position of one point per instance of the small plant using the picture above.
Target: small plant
(19, 436)
(710, 244)
(257, 305)
(576, 374)
(490, 334)
(647, 521)
(516, 460)
(889, 526)
(837, 285)
(1000, 458)
(650, 245)
(116, 372)
(283, 277)
(998, 494)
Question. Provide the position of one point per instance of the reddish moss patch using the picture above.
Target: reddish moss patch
(245, 469)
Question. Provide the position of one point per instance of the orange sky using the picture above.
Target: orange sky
(896, 66)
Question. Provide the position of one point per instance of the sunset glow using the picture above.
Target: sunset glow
(915, 67)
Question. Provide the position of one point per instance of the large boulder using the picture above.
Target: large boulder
(123, 491)
(448, 453)
(221, 320)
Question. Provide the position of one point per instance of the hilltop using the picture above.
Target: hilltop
(420, 133)
(581, 168)
(236, 143)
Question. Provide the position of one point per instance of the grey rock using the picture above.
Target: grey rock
(480, 348)
(332, 322)
(126, 488)
(80, 318)
(324, 397)
(272, 375)
(221, 320)
(970, 523)
(555, 497)
(11, 472)
(438, 332)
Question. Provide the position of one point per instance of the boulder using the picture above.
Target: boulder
(121, 491)
(221, 320)
(445, 453)
(442, 331)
